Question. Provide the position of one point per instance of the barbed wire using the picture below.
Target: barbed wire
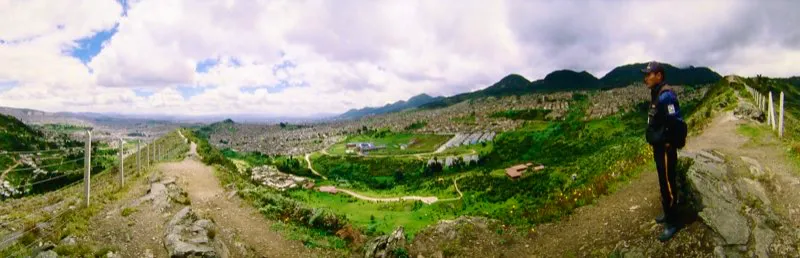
(47, 166)
(40, 151)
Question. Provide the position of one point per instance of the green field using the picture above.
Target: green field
(380, 217)
(416, 143)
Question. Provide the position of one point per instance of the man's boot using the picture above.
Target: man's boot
(660, 219)
(669, 231)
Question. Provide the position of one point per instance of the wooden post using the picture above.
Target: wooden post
(771, 112)
(147, 163)
(780, 120)
(138, 155)
(121, 162)
(87, 161)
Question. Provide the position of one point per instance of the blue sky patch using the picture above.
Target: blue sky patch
(188, 91)
(125, 6)
(206, 64)
(90, 46)
(143, 92)
(7, 85)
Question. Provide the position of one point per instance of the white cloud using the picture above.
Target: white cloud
(349, 54)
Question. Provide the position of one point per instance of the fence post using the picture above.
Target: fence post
(780, 120)
(121, 162)
(771, 111)
(87, 161)
(138, 156)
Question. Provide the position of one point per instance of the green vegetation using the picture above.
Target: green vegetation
(525, 114)
(416, 125)
(63, 128)
(393, 143)
(127, 211)
(467, 119)
(720, 96)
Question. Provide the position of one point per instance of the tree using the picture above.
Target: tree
(398, 176)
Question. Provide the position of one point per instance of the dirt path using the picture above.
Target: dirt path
(3, 175)
(246, 225)
(625, 218)
(308, 162)
(424, 199)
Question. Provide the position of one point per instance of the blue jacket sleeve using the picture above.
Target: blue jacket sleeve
(670, 108)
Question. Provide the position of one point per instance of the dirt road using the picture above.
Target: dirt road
(246, 225)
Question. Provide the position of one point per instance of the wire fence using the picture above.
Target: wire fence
(145, 155)
(774, 106)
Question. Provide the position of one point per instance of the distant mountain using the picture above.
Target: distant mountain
(413, 102)
(567, 80)
(628, 74)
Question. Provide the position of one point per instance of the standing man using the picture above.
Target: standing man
(666, 132)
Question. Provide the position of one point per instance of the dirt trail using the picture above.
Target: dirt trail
(625, 218)
(137, 227)
(3, 175)
(424, 199)
(231, 213)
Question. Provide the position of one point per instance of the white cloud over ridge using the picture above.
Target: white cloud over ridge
(297, 58)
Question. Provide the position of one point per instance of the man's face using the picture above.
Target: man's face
(652, 79)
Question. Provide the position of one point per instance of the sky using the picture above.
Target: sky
(301, 58)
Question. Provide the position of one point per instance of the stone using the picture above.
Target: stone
(750, 188)
(47, 254)
(746, 110)
(715, 198)
(763, 238)
(383, 246)
(70, 240)
(719, 252)
(188, 236)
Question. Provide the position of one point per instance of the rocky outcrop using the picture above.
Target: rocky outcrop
(746, 110)
(463, 236)
(731, 203)
(189, 236)
(392, 245)
(271, 177)
(162, 193)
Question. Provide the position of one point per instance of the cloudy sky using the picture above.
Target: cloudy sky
(299, 58)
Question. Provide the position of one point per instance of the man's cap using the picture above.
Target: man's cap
(653, 66)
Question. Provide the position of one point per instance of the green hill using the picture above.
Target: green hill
(16, 136)
(628, 74)
(566, 80)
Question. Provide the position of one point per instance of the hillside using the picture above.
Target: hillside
(16, 136)
(566, 80)
(413, 102)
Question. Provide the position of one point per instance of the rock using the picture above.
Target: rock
(715, 198)
(746, 110)
(70, 240)
(47, 254)
(111, 254)
(177, 195)
(188, 236)
(271, 177)
(385, 246)
(148, 254)
(719, 252)
(763, 238)
(750, 188)
(755, 167)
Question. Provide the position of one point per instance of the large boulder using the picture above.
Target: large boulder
(731, 203)
(188, 236)
(748, 111)
(392, 245)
